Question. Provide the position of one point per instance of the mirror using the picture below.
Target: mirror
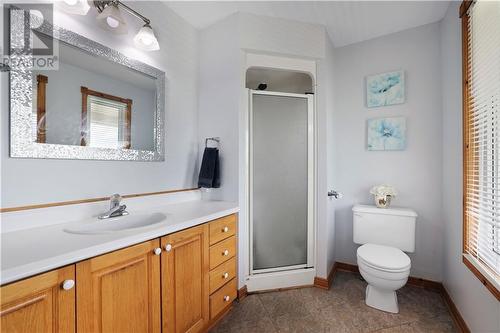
(94, 102)
(97, 103)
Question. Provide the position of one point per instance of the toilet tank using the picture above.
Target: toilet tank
(384, 226)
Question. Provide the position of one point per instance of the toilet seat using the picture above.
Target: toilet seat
(384, 258)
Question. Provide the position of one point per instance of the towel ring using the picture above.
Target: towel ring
(215, 139)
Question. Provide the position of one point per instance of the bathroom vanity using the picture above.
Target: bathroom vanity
(177, 276)
(165, 267)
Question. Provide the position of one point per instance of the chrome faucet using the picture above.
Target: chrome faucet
(115, 209)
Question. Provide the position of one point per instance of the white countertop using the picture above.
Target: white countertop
(31, 251)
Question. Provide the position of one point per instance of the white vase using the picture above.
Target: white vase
(382, 201)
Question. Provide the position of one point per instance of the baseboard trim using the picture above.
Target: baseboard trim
(321, 283)
(242, 293)
(426, 284)
(326, 283)
(436, 286)
(421, 283)
(455, 314)
(345, 267)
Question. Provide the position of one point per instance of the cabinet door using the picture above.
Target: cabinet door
(185, 280)
(120, 291)
(40, 303)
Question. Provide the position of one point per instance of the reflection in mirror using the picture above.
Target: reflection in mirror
(91, 101)
(106, 120)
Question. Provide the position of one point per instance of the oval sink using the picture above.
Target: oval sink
(120, 223)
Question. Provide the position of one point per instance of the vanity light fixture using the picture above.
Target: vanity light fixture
(146, 40)
(78, 7)
(110, 19)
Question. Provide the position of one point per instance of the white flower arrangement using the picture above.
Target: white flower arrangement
(384, 190)
(383, 195)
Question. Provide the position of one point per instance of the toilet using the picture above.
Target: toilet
(385, 234)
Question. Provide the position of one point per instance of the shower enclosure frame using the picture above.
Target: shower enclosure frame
(311, 183)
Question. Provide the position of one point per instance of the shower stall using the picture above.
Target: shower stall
(281, 186)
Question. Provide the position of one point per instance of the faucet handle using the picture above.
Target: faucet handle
(115, 200)
(116, 196)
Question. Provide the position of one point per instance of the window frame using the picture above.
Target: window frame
(481, 271)
(42, 81)
(85, 125)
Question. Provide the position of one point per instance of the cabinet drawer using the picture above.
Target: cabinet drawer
(222, 252)
(222, 274)
(222, 228)
(222, 298)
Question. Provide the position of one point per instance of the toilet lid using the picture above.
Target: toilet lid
(384, 257)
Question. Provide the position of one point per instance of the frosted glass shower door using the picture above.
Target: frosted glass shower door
(281, 177)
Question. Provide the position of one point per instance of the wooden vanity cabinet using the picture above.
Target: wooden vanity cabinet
(44, 303)
(223, 264)
(120, 291)
(185, 280)
(180, 283)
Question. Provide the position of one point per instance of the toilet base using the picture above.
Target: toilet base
(385, 300)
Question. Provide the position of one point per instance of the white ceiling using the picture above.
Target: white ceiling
(346, 22)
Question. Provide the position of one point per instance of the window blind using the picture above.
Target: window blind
(107, 122)
(482, 136)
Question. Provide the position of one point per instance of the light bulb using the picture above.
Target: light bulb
(78, 7)
(111, 19)
(112, 22)
(146, 39)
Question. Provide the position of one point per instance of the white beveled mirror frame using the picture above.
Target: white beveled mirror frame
(22, 144)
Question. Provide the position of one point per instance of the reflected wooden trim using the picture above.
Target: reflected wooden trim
(75, 202)
(464, 7)
(128, 114)
(84, 124)
(41, 98)
(105, 96)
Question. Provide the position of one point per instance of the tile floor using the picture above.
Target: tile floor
(340, 309)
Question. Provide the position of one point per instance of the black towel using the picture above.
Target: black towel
(209, 171)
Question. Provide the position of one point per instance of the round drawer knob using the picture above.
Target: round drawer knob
(68, 284)
(227, 298)
(225, 229)
(157, 251)
(225, 275)
(168, 247)
(225, 253)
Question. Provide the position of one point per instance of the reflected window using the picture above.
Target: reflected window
(38, 117)
(106, 120)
